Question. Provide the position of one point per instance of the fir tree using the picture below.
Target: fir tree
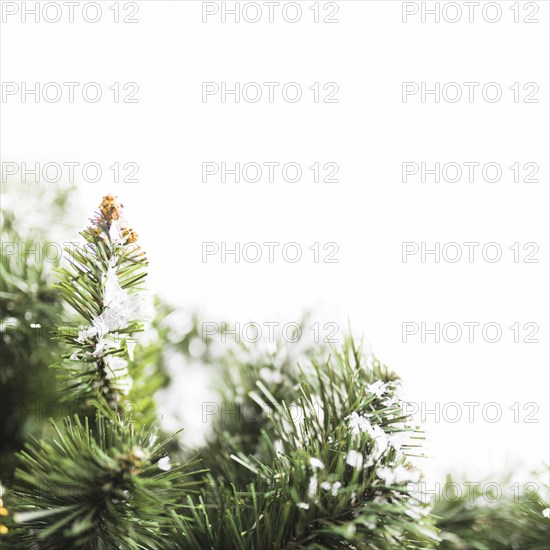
(30, 309)
(314, 455)
(315, 458)
(499, 518)
(101, 482)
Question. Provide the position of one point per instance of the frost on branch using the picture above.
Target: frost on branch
(102, 283)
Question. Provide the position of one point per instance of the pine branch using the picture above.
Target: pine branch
(111, 487)
(328, 468)
(99, 482)
(29, 308)
(101, 284)
(480, 519)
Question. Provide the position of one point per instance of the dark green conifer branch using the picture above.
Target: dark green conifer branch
(329, 467)
(506, 516)
(100, 482)
(102, 284)
(309, 455)
(113, 487)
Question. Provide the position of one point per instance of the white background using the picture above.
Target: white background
(369, 213)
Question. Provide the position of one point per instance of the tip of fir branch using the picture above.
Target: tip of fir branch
(111, 211)
(110, 208)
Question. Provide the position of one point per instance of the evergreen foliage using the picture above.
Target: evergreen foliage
(101, 482)
(29, 310)
(501, 519)
(315, 459)
(110, 487)
(308, 453)
(102, 285)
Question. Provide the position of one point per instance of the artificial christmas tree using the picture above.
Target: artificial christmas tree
(315, 459)
(315, 453)
(29, 310)
(100, 481)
